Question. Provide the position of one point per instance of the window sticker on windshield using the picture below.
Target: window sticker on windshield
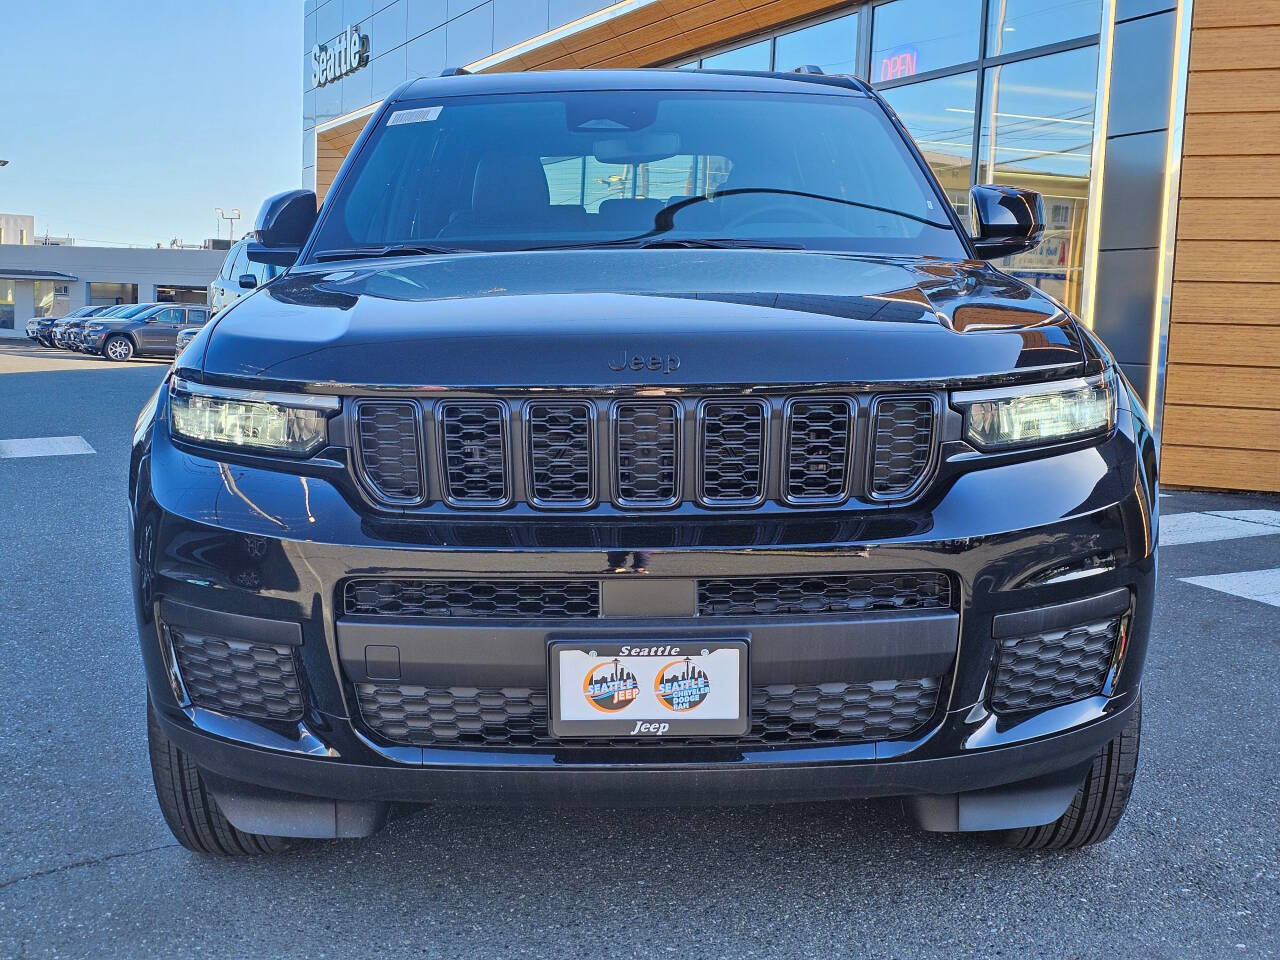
(420, 115)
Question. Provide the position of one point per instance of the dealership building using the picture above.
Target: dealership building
(41, 278)
(1151, 127)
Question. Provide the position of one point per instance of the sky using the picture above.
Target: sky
(129, 121)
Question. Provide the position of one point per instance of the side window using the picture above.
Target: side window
(241, 266)
(168, 315)
(230, 261)
(263, 271)
(197, 315)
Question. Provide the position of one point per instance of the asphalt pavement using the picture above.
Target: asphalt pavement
(88, 868)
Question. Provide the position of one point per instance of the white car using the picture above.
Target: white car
(238, 276)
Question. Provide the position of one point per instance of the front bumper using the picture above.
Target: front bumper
(231, 538)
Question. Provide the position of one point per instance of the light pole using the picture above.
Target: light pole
(234, 216)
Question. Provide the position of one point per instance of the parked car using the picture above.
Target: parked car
(152, 332)
(60, 332)
(185, 336)
(766, 489)
(40, 328)
(238, 276)
(72, 335)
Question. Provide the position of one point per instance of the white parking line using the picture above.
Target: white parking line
(1260, 585)
(44, 447)
(1219, 525)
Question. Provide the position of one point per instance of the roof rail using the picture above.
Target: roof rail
(455, 72)
(809, 68)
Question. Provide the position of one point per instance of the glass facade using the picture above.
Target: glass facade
(939, 114)
(910, 37)
(830, 44)
(1039, 135)
(6, 304)
(993, 91)
(45, 298)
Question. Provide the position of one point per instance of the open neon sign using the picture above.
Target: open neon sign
(902, 62)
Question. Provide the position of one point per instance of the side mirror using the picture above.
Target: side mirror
(1005, 220)
(248, 281)
(282, 227)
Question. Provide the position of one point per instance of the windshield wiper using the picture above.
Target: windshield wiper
(386, 250)
(650, 241)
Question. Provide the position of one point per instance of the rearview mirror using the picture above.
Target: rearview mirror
(283, 225)
(1005, 220)
(248, 281)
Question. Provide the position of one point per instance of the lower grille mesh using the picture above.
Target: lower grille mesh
(787, 596)
(524, 599)
(237, 677)
(781, 714)
(1054, 667)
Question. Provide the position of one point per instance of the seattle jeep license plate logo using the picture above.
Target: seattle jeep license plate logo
(609, 686)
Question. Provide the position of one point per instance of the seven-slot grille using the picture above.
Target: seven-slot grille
(473, 440)
(565, 453)
(560, 453)
(646, 448)
(903, 428)
(388, 449)
(733, 439)
(817, 457)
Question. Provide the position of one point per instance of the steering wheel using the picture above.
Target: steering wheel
(769, 212)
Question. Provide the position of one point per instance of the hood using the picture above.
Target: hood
(604, 318)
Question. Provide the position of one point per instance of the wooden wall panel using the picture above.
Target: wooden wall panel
(1202, 426)
(1203, 385)
(664, 31)
(1229, 219)
(1222, 389)
(1218, 134)
(1222, 469)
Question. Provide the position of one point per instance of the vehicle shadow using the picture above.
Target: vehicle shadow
(23, 356)
(717, 877)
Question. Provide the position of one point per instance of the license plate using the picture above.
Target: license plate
(648, 688)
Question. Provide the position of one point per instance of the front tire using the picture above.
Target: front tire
(190, 810)
(1097, 806)
(118, 348)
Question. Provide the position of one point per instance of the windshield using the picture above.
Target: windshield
(528, 171)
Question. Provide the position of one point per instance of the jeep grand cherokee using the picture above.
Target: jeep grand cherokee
(642, 438)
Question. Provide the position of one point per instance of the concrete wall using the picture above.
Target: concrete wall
(15, 225)
(148, 268)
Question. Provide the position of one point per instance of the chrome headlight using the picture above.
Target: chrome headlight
(291, 423)
(1038, 413)
(95, 328)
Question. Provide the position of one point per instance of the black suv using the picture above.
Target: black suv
(152, 332)
(642, 437)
